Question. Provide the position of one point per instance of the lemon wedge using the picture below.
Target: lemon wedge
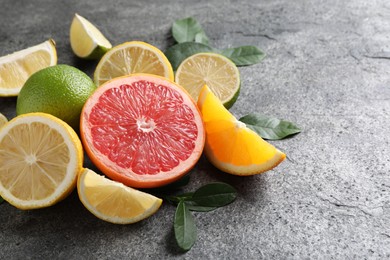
(114, 202)
(17, 67)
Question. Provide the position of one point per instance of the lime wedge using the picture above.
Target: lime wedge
(86, 40)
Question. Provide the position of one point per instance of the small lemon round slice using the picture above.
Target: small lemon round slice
(114, 202)
(86, 40)
(17, 67)
(40, 158)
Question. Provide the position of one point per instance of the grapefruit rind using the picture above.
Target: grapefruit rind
(126, 176)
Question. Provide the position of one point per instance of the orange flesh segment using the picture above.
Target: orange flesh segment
(230, 140)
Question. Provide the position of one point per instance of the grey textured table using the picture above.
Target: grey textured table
(327, 70)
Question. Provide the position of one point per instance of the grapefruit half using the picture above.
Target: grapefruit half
(142, 130)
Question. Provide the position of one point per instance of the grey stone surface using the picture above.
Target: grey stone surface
(327, 70)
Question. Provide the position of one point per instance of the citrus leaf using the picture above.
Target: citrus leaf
(179, 52)
(177, 198)
(201, 37)
(215, 194)
(188, 30)
(193, 206)
(268, 127)
(184, 227)
(244, 55)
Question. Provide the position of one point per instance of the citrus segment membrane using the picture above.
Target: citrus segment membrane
(142, 130)
(40, 157)
(112, 201)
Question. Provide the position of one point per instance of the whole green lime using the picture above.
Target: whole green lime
(59, 90)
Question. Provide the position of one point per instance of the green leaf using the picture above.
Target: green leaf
(179, 52)
(187, 198)
(268, 127)
(193, 206)
(215, 194)
(201, 37)
(177, 198)
(184, 227)
(188, 30)
(1, 200)
(244, 55)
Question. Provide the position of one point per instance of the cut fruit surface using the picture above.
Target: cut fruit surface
(132, 57)
(114, 202)
(40, 157)
(17, 67)
(3, 120)
(219, 73)
(86, 40)
(230, 145)
(142, 130)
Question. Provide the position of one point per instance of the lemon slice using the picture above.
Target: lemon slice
(132, 57)
(219, 73)
(86, 40)
(3, 120)
(114, 202)
(230, 145)
(17, 67)
(40, 158)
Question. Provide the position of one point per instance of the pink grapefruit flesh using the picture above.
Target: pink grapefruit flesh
(142, 130)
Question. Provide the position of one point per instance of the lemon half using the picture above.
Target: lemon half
(40, 158)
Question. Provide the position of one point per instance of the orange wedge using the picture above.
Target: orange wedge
(230, 145)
